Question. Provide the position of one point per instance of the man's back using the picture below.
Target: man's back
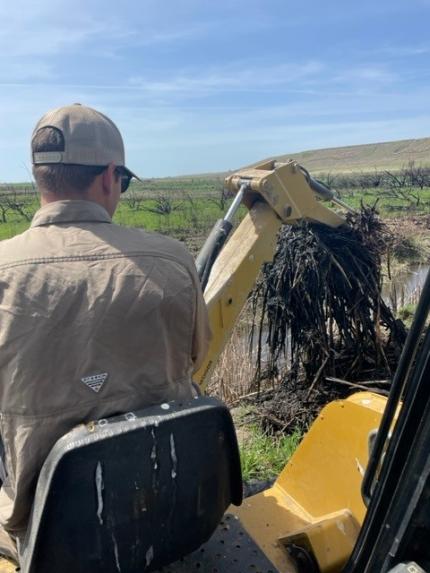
(95, 320)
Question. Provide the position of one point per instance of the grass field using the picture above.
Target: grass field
(387, 203)
(164, 207)
(391, 173)
(264, 456)
(189, 207)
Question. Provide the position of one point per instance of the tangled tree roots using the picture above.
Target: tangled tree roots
(320, 306)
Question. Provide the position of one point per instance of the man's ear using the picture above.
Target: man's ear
(108, 178)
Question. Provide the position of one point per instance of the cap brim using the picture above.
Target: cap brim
(131, 174)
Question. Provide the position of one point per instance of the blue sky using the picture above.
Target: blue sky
(204, 85)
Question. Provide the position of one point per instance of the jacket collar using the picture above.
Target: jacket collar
(70, 211)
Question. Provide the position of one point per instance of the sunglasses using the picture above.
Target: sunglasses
(125, 178)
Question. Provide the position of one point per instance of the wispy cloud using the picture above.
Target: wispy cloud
(13, 70)
(366, 75)
(36, 29)
(308, 79)
(237, 77)
(397, 51)
(406, 51)
(158, 36)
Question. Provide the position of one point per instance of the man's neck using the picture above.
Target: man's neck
(48, 197)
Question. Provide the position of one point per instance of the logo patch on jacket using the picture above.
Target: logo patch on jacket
(96, 381)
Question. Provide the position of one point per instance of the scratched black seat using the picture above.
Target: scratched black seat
(135, 492)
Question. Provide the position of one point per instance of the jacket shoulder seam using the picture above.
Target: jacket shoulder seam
(100, 257)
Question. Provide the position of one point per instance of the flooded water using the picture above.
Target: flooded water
(406, 286)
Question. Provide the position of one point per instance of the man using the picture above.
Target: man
(95, 319)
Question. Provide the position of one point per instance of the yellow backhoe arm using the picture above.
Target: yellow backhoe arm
(277, 193)
(315, 503)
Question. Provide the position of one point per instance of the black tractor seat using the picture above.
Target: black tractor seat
(135, 492)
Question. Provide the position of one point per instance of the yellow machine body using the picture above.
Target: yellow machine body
(6, 566)
(316, 500)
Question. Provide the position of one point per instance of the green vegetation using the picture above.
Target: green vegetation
(263, 456)
(166, 206)
(406, 190)
(11, 229)
(406, 313)
(196, 186)
(388, 204)
(190, 206)
(170, 214)
(16, 210)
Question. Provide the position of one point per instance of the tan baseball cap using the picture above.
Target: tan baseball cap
(90, 138)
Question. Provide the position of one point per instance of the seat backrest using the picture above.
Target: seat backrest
(135, 492)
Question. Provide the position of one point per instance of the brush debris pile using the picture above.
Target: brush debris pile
(321, 314)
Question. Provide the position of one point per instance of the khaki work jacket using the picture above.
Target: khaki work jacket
(95, 320)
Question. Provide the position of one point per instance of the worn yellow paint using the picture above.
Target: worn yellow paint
(323, 477)
(331, 539)
(233, 277)
(285, 188)
(6, 566)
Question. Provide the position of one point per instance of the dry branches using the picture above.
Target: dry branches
(321, 302)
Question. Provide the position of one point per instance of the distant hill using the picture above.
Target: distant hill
(387, 155)
(390, 155)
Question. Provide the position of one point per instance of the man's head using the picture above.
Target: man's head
(78, 153)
